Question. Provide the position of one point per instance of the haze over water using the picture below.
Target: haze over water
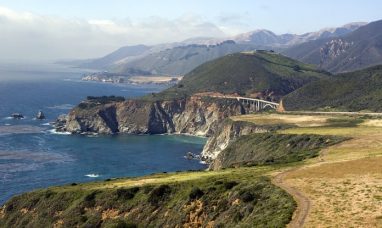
(31, 156)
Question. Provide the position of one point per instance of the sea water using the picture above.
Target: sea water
(33, 156)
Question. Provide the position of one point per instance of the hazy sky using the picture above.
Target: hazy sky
(56, 29)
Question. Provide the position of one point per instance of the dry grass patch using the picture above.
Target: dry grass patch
(343, 194)
(272, 119)
(366, 142)
(372, 123)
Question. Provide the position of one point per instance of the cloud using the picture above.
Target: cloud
(234, 23)
(29, 36)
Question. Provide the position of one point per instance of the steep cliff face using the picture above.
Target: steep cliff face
(195, 115)
(227, 132)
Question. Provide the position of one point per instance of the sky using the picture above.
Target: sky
(77, 29)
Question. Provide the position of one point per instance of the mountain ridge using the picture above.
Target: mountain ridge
(153, 55)
(358, 49)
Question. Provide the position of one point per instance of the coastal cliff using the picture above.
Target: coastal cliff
(195, 115)
(227, 132)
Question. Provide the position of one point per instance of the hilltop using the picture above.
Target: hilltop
(262, 74)
(355, 91)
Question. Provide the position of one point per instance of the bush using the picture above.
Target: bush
(159, 194)
(297, 68)
(106, 99)
(230, 184)
(195, 193)
(247, 197)
(127, 194)
(119, 223)
(89, 200)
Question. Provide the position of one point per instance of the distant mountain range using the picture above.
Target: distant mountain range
(181, 57)
(358, 49)
(268, 38)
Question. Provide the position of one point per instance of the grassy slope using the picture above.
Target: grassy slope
(245, 73)
(268, 148)
(355, 91)
(343, 184)
(230, 198)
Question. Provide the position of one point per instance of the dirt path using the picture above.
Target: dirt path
(303, 203)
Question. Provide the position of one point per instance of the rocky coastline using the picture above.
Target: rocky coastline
(196, 115)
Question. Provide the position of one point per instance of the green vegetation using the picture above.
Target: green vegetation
(230, 198)
(105, 99)
(267, 74)
(271, 148)
(354, 91)
(92, 101)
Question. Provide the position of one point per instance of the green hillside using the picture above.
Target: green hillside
(263, 74)
(354, 91)
(231, 198)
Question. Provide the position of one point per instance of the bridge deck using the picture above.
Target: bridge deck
(248, 99)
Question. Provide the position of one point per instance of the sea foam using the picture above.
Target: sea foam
(55, 132)
(92, 175)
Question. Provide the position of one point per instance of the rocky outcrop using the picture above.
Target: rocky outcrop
(333, 49)
(227, 132)
(195, 115)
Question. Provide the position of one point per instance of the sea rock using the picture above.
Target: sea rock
(17, 116)
(60, 123)
(40, 115)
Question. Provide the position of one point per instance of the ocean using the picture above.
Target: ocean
(33, 156)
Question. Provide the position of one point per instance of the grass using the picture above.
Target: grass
(355, 91)
(343, 184)
(271, 148)
(242, 197)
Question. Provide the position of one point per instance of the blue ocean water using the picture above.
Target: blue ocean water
(32, 156)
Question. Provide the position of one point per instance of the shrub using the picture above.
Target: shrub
(119, 223)
(159, 193)
(247, 197)
(105, 99)
(127, 194)
(195, 193)
(297, 68)
(230, 184)
(89, 200)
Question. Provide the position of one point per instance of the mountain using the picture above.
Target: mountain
(355, 91)
(358, 49)
(267, 38)
(122, 53)
(262, 74)
(181, 60)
